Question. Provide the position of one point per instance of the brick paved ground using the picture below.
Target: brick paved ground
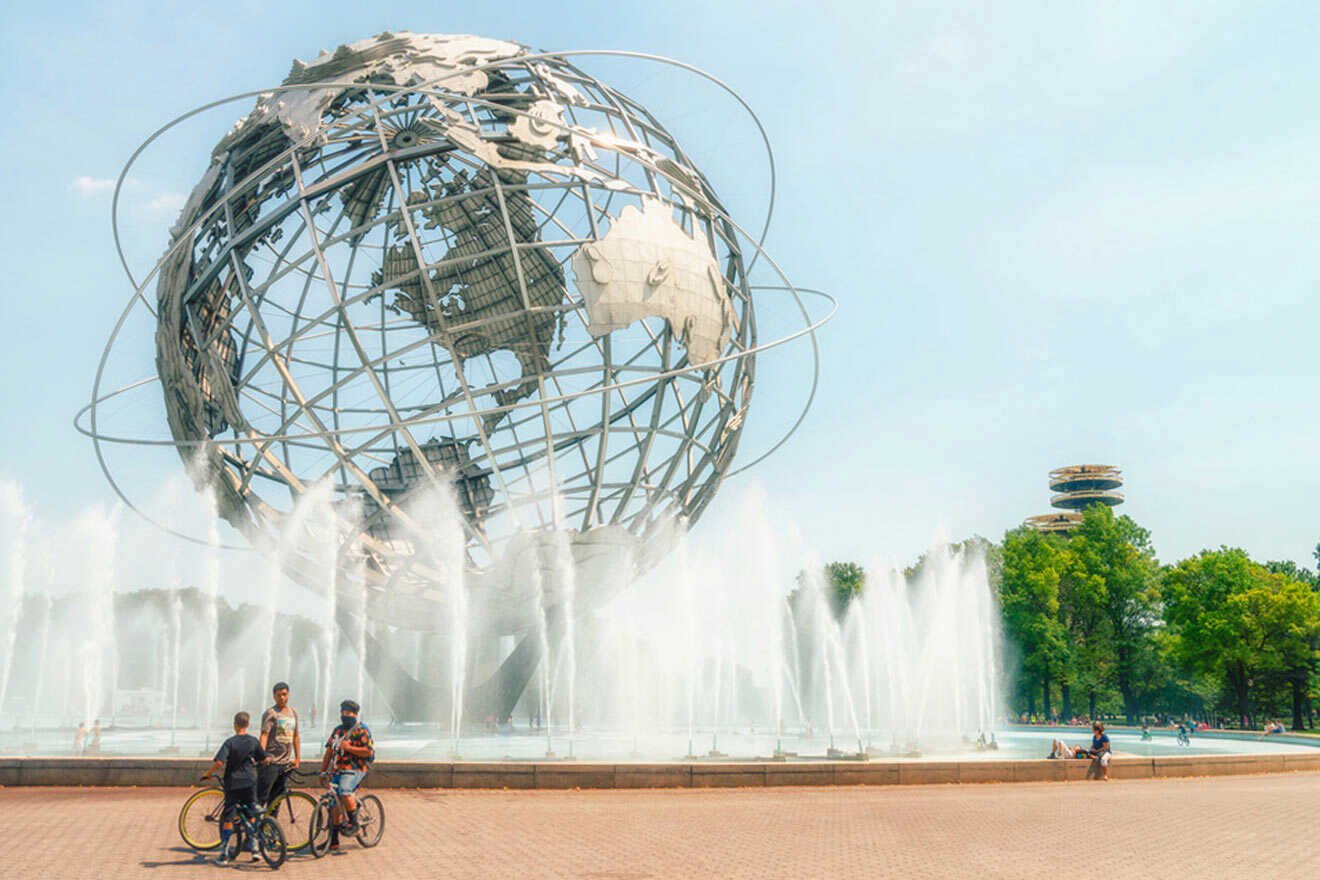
(1204, 828)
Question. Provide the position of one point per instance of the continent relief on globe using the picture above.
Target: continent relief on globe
(645, 266)
(476, 282)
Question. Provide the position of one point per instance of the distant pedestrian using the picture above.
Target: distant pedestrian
(80, 738)
(95, 746)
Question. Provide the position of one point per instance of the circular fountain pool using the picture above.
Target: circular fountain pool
(428, 742)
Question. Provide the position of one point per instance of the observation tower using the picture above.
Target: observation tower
(1074, 489)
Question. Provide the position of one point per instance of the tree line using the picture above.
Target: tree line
(1093, 618)
(1095, 626)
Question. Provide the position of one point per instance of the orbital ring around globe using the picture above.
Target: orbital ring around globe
(437, 414)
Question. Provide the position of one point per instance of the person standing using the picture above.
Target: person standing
(281, 740)
(80, 738)
(239, 755)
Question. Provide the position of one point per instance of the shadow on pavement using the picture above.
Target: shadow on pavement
(193, 858)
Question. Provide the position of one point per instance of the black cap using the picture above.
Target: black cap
(280, 686)
(350, 706)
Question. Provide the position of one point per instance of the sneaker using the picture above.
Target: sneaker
(223, 858)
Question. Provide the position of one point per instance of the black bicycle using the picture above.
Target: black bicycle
(199, 819)
(370, 819)
(250, 823)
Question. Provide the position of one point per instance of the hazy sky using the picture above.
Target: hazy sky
(1058, 233)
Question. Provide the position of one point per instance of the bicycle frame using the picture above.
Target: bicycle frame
(331, 796)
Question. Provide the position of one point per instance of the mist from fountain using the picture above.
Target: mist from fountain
(542, 693)
(98, 649)
(688, 596)
(719, 640)
(274, 588)
(43, 652)
(15, 521)
(176, 651)
(210, 660)
(566, 578)
(318, 542)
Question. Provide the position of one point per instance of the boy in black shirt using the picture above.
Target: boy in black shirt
(239, 755)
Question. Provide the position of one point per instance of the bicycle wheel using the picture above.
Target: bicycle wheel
(371, 820)
(318, 831)
(293, 811)
(270, 840)
(199, 820)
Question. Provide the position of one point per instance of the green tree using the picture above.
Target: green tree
(1295, 572)
(845, 581)
(1291, 620)
(1082, 614)
(1233, 617)
(1032, 565)
(1115, 564)
(1202, 608)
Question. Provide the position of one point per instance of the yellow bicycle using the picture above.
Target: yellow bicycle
(199, 820)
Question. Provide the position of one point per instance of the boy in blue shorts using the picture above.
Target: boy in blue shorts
(352, 750)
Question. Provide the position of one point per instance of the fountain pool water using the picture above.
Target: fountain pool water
(431, 742)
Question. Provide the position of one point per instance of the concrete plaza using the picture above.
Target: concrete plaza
(1211, 827)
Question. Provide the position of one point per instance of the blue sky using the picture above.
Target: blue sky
(1058, 234)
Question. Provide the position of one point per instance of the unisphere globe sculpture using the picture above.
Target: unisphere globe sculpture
(449, 260)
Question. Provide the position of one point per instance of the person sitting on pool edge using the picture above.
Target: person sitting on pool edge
(1060, 749)
(239, 755)
(1100, 752)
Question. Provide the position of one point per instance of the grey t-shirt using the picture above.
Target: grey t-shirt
(279, 727)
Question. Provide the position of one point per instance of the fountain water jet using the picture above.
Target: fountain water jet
(566, 575)
(98, 650)
(543, 636)
(210, 648)
(15, 522)
(43, 646)
(176, 650)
